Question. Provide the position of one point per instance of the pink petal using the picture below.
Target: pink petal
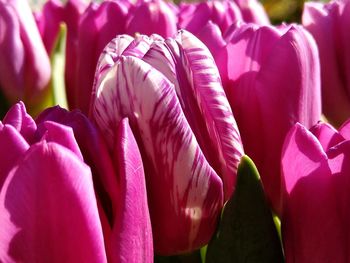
(301, 151)
(48, 209)
(49, 23)
(18, 117)
(211, 36)
(184, 192)
(95, 154)
(344, 130)
(149, 15)
(11, 63)
(72, 14)
(13, 146)
(60, 134)
(327, 135)
(132, 232)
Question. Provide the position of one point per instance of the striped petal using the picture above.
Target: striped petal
(192, 69)
(48, 210)
(184, 192)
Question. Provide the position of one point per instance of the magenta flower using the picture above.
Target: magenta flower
(329, 24)
(315, 166)
(171, 92)
(24, 65)
(45, 158)
(268, 95)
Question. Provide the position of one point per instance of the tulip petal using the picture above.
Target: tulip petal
(184, 192)
(95, 154)
(48, 209)
(132, 232)
(18, 117)
(344, 130)
(326, 135)
(149, 15)
(306, 151)
(61, 134)
(210, 97)
(13, 146)
(11, 63)
(49, 23)
(211, 36)
(111, 53)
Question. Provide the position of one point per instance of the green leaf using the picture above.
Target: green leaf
(247, 232)
(58, 66)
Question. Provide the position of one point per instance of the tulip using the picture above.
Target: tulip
(268, 95)
(171, 92)
(315, 204)
(24, 64)
(329, 24)
(111, 182)
(35, 178)
(120, 211)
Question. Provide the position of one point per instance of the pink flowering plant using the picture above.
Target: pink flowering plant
(157, 131)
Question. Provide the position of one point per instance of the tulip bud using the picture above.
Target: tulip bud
(114, 224)
(24, 64)
(190, 145)
(268, 95)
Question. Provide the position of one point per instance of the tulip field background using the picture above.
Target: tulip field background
(174, 131)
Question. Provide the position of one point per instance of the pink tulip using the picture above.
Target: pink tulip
(113, 225)
(24, 65)
(171, 92)
(47, 202)
(268, 95)
(315, 167)
(117, 177)
(329, 24)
